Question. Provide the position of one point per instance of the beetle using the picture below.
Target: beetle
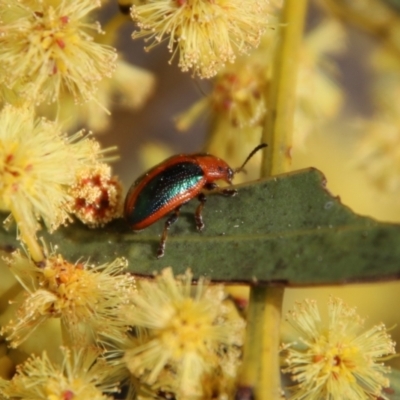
(169, 185)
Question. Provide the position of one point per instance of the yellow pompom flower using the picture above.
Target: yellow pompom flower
(378, 150)
(37, 165)
(89, 300)
(336, 360)
(48, 46)
(207, 34)
(78, 377)
(187, 335)
(96, 196)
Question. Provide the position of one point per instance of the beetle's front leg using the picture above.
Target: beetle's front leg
(224, 192)
(171, 220)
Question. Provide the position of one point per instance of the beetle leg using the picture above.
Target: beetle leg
(171, 219)
(210, 186)
(224, 192)
(197, 216)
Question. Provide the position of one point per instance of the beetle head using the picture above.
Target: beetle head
(215, 168)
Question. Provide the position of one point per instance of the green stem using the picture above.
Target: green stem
(260, 374)
(282, 91)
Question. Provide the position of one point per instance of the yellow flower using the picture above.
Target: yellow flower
(185, 332)
(37, 164)
(96, 196)
(47, 46)
(207, 34)
(89, 300)
(378, 151)
(319, 98)
(336, 360)
(78, 377)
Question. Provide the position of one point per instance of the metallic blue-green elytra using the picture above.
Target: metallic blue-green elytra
(160, 191)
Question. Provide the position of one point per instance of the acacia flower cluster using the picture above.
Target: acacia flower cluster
(38, 165)
(188, 337)
(336, 360)
(89, 300)
(96, 196)
(317, 74)
(206, 34)
(80, 376)
(47, 48)
(378, 152)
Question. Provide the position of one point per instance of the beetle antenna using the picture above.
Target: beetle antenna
(259, 147)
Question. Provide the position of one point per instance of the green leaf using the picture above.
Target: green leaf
(288, 229)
